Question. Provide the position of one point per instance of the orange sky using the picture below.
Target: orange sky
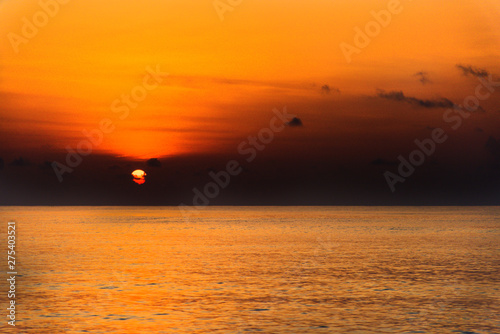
(226, 76)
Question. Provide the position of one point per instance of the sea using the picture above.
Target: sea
(252, 270)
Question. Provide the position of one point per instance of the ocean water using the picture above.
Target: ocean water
(254, 270)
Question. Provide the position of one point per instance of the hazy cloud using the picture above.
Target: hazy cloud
(474, 71)
(399, 96)
(204, 81)
(423, 77)
(326, 89)
(479, 108)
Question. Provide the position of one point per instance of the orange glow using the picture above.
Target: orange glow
(224, 77)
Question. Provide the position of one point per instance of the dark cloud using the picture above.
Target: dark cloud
(19, 162)
(295, 122)
(326, 89)
(479, 130)
(423, 77)
(474, 71)
(153, 162)
(399, 96)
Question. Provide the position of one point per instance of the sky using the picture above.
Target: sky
(176, 88)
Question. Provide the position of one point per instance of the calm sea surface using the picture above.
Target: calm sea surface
(254, 270)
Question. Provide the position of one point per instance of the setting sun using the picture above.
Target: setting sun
(139, 176)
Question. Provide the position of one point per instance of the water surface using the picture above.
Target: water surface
(256, 269)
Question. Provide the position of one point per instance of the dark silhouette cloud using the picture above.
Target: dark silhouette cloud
(479, 130)
(153, 162)
(399, 96)
(423, 77)
(19, 162)
(474, 71)
(295, 122)
(326, 89)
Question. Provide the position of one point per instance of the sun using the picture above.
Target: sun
(139, 176)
